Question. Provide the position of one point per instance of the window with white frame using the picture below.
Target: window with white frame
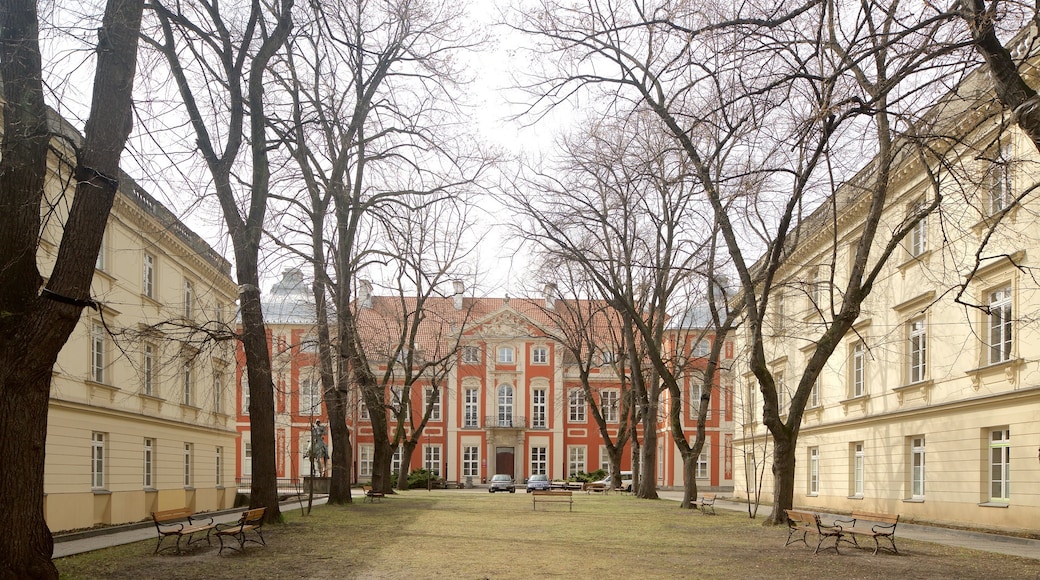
(505, 355)
(752, 401)
(471, 408)
(101, 260)
(917, 466)
(814, 394)
(435, 400)
(218, 392)
(309, 343)
(1000, 465)
(779, 311)
(538, 409)
(97, 353)
(539, 460)
(998, 182)
(245, 393)
(858, 386)
(576, 406)
(918, 237)
(539, 355)
(189, 452)
(859, 464)
(396, 396)
(148, 276)
(247, 458)
(607, 357)
(604, 458)
(608, 405)
(471, 355)
(814, 471)
(815, 289)
(918, 359)
(703, 469)
(999, 323)
(470, 461)
(149, 463)
(575, 460)
(97, 460)
(782, 394)
(189, 299)
(188, 383)
(148, 370)
(432, 459)
(366, 454)
(395, 461)
(505, 406)
(696, 394)
(702, 348)
(310, 396)
(363, 410)
(219, 457)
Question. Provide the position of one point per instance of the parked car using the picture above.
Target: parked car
(537, 482)
(502, 482)
(626, 481)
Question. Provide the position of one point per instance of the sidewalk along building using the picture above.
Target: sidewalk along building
(929, 406)
(511, 401)
(140, 414)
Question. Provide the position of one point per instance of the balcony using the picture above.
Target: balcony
(505, 422)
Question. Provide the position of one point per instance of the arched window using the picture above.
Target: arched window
(505, 406)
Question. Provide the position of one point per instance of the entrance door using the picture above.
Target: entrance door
(504, 460)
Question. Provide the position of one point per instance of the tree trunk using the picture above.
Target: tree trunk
(689, 468)
(783, 477)
(407, 450)
(36, 326)
(342, 452)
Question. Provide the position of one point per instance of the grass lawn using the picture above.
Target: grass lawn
(446, 534)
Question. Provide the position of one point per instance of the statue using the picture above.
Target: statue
(318, 451)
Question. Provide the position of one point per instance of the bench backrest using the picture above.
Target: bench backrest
(708, 496)
(795, 517)
(551, 492)
(888, 519)
(252, 517)
(174, 515)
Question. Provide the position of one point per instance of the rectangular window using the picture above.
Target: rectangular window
(245, 393)
(97, 353)
(752, 402)
(188, 383)
(576, 406)
(918, 350)
(539, 460)
(814, 471)
(309, 343)
(814, 394)
(310, 397)
(608, 404)
(97, 460)
(435, 413)
(782, 395)
(538, 409)
(363, 411)
(917, 467)
(471, 355)
(575, 460)
(859, 362)
(779, 312)
(505, 355)
(539, 355)
(999, 319)
(148, 370)
(148, 276)
(366, 454)
(220, 466)
(702, 348)
(189, 299)
(470, 461)
(607, 357)
(149, 463)
(858, 462)
(432, 459)
(703, 463)
(100, 262)
(998, 182)
(918, 243)
(1000, 465)
(247, 459)
(188, 452)
(815, 287)
(395, 461)
(218, 392)
(471, 409)
(604, 458)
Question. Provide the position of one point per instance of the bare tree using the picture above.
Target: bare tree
(37, 323)
(219, 63)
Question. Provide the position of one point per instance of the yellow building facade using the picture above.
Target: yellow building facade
(930, 407)
(141, 412)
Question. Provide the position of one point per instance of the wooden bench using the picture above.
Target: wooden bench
(251, 522)
(552, 495)
(598, 487)
(707, 503)
(371, 495)
(806, 523)
(180, 523)
(871, 525)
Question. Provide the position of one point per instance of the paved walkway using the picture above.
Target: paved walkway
(1010, 545)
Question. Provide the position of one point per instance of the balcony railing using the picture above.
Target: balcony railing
(506, 421)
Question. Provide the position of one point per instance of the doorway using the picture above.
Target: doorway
(504, 460)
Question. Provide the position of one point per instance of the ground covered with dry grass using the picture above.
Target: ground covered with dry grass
(478, 535)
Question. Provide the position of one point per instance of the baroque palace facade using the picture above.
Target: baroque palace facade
(512, 401)
(140, 415)
(930, 406)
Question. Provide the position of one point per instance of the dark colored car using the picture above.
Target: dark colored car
(537, 482)
(502, 482)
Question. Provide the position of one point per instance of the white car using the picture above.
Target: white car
(626, 481)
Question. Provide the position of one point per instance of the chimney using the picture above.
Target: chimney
(365, 294)
(456, 299)
(550, 296)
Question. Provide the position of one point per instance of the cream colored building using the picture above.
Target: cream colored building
(930, 407)
(142, 406)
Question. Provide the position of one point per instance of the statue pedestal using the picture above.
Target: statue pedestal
(320, 484)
